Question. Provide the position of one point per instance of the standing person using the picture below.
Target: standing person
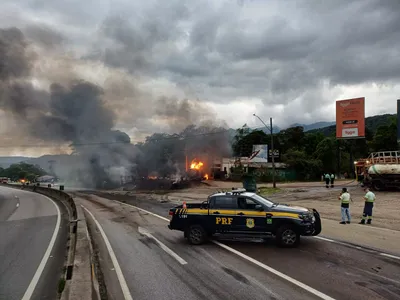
(345, 199)
(368, 206)
(332, 178)
(327, 179)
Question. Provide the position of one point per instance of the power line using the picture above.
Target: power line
(150, 139)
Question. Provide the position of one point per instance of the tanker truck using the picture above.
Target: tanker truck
(381, 170)
(383, 176)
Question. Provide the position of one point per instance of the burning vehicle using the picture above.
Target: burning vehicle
(196, 171)
(194, 175)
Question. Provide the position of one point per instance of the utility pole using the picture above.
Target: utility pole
(272, 147)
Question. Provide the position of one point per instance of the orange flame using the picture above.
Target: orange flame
(206, 177)
(196, 165)
(152, 177)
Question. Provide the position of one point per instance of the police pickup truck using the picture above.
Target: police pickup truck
(239, 214)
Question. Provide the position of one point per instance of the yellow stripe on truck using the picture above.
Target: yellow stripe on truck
(285, 214)
(199, 211)
(263, 214)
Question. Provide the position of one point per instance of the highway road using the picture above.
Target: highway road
(145, 260)
(33, 233)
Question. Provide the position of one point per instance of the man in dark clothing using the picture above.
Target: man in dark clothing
(327, 179)
(332, 180)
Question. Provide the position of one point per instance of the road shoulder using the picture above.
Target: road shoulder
(364, 235)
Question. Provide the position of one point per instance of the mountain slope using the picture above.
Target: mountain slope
(371, 124)
(6, 161)
(313, 126)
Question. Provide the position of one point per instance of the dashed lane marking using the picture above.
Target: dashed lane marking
(389, 255)
(366, 249)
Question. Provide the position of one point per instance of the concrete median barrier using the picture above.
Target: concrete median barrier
(68, 288)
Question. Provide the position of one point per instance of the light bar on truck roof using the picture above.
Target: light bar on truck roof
(242, 190)
(237, 191)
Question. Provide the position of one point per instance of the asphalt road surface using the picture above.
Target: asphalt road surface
(33, 236)
(154, 262)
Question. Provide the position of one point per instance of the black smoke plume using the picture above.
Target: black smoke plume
(75, 112)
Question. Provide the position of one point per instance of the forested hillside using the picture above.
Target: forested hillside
(314, 152)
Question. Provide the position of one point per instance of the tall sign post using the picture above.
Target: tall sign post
(398, 122)
(350, 118)
(350, 122)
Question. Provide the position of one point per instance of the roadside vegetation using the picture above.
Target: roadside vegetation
(22, 171)
(310, 154)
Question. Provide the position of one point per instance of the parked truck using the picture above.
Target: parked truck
(380, 171)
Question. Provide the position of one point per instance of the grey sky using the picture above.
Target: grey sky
(286, 59)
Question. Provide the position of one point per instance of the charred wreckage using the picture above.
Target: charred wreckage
(194, 175)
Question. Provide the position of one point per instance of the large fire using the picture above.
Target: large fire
(198, 165)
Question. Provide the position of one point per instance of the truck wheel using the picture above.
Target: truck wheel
(378, 185)
(196, 235)
(287, 236)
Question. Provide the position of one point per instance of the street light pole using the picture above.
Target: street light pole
(272, 148)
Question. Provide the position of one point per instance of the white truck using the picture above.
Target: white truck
(381, 170)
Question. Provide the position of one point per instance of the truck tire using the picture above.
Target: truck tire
(378, 185)
(196, 235)
(287, 236)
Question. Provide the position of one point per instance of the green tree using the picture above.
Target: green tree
(326, 152)
(305, 167)
(291, 138)
(311, 141)
(385, 138)
(243, 146)
(22, 170)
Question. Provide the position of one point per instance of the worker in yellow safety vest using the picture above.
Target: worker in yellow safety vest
(345, 199)
(368, 206)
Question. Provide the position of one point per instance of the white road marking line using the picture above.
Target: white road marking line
(149, 212)
(31, 288)
(17, 205)
(390, 255)
(277, 273)
(324, 239)
(358, 247)
(120, 275)
(163, 246)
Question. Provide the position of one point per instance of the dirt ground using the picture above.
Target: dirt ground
(385, 214)
(309, 194)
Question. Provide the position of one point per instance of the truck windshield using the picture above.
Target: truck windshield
(263, 200)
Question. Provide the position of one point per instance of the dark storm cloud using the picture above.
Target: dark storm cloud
(136, 41)
(44, 36)
(15, 61)
(277, 51)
